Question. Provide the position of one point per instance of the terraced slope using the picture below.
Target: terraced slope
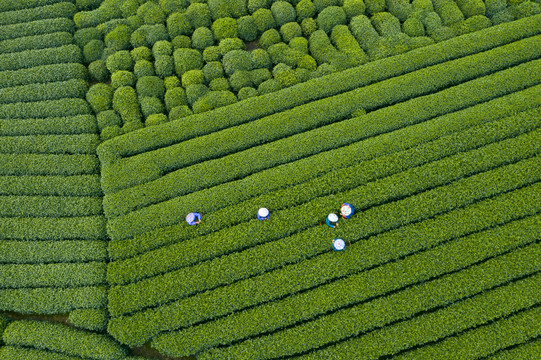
(443, 170)
(52, 249)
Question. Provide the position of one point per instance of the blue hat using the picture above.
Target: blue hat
(190, 217)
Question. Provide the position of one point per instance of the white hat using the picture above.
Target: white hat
(263, 212)
(190, 217)
(346, 210)
(339, 244)
(332, 217)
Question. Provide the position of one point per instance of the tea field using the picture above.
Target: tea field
(120, 117)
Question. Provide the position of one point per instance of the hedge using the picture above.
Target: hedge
(129, 200)
(64, 339)
(52, 300)
(38, 27)
(527, 350)
(31, 58)
(108, 10)
(43, 74)
(48, 206)
(374, 251)
(327, 110)
(386, 24)
(192, 280)
(484, 340)
(365, 34)
(58, 10)
(11, 5)
(81, 124)
(75, 88)
(44, 228)
(76, 185)
(35, 252)
(45, 109)
(138, 267)
(36, 42)
(90, 319)
(436, 262)
(10, 352)
(323, 87)
(50, 144)
(45, 275)
(477, 295)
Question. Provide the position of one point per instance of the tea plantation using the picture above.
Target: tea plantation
(120, 117)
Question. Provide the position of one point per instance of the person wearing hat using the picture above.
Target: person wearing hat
(338, 244)
(332, 220)
(263, 214)
(191, 218)
(346, 210)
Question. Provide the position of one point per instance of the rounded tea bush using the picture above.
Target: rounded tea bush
(305, 9)
(247, 28)
(179, 112)
(198, 15)
(171, 82)
(353, 8)
(283, 12)
(143, 68)
(192, 77)
(181, 42)
(260, 59)
(240, 79)
(330, 17)
(119, 38)
(300, 44)
(413, 27)
(269, 37)
(164, 66)
(98, 71)
(178, 24)
(175, 97)
(226, 45)
(141, 53)
(151, 86)
(225, 28)
(322, 4)
(268, 86)
(100, 97)
(254, 5)
(121, 60)
(122, 78)
(194, 92)
(213, 70)
(202, 38)
(93, 51)
(171, 6)
(151, 13)
(260, 75)
(247, 92)
(162, 47)
(126, 104)
(264, 20)
(290, 30)
(236, 60)
(151, 105)
(308, 26)
(212, 53)
(108, 118)
(84, 36)
(187, 59)
(219, 84)
(110, 132)
(156, 119)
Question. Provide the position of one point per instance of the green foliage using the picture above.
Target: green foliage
(151, 105)
(299, 44)
(61, 338)
(90, 319)
(260, 59)
(213, 70)
(171, 6)
(308, 26)
(202, 38)
(93, 51)
(57, 10)
(268, 86)
(119, 38)
(143, 68)
(363, 31)
(240, 79)
(156, 119)
(474, 23)
(525, 9)
(98, 71)
(171, 82)
(494, 6)
(263, 20)
(151, 13)
(322, 4)
(175, 97)
(44, 109)
(237, 60)
(502, 16)
(254, 5)
(281, 53)
(259, 75)
(229, 44)
(108, 118)
(52, 300)
(472, 7)
(198, 15)
(187, 59)
(401, 9)
(36, 42)
(122, 78)
(162, 47)
(38, 27)
(129, 7)
(81, 124)
(43, 74)
(53, 251)
(353, 8)
(269, 38)
(212, 53)
(141, 53)
(386, 24)
(181, 42)
(346, 43)
(230, 8)
(108, 11)
(148, 35)
(308, 62)
(195, 92)
(126, 104)
(374, 6)
(247, 28)
(132, 126)
(219, 84)
(192, 77)
(100, 97)
(121, 60)
(30, 58)
(330, 17)
(164, 65)
(413, 27)
(150, 86)
(449, 11)
(225, 28)
(179, 112)
(305, 9)
(247, 92)
(178, 24)
(290, 30)
(283, 12)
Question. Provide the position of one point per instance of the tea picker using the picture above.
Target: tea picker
(263, 214)
(338, 244)
(332, 220)
(193, 218)
(346, 210)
